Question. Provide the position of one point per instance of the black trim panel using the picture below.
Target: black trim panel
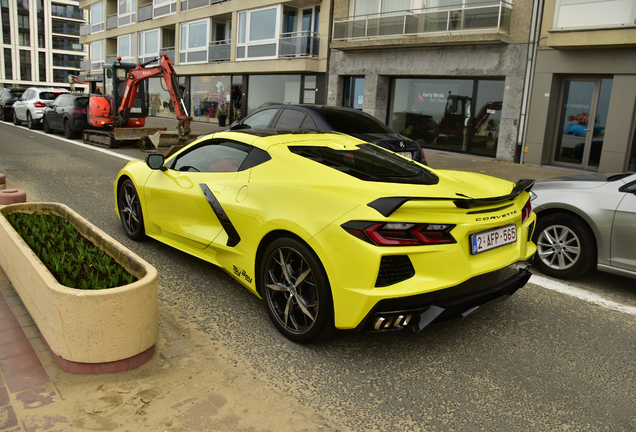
(453, 302)
(233, 237)
(388, 205)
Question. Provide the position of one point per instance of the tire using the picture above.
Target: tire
(2, 116)
(130, 213)
(296, 291)
(566, 246)
(45, 126)
(31, 124)
(68, 131)
(15, 119)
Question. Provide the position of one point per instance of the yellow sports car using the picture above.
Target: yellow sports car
(332, 232)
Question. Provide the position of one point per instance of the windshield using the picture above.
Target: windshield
(353, 122)
(369, 163)
(48, 95)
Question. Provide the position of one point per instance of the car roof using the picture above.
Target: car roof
(315, 107)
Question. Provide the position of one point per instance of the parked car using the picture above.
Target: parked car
(331, 118)
(586, 221)
(8, 96)
(333, 232)
(67, 114)
(30, 107)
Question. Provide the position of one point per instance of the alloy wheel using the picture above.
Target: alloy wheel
(558, 247)
(291, 290)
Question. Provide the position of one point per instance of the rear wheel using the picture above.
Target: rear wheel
(130, 210)
(296, 291)
(30, 122)
(566, 247)
(2, 116)
(45, 126)
(68, 130)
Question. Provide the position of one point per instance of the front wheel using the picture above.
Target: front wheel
(15, 119)
(566, 247)
(130, 210)
(296, 291)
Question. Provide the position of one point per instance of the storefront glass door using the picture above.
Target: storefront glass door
(584, 109)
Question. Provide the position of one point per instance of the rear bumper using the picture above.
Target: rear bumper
(411, 314)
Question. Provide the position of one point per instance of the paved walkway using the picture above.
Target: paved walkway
(28, 370)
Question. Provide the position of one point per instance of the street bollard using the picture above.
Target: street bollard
(12, 196)
(3, 181)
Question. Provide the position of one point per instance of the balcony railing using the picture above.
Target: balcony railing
(111, 21)
(219, 50)
(494, 15)
(193, 4)
(299, 44)
(145, 12)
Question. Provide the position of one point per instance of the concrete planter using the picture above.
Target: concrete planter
(87, 331)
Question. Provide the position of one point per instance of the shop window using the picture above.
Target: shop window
(194, 41)
(267, 90)
(451, 114)
(353, 96)
(210, 98)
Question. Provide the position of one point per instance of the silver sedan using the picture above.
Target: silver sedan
(586, 221)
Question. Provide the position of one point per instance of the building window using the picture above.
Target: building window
(8, 64)
(24, 31)
(126, 47)
(208, 93)
(25, 65)
(194, 41)
(66, 28)
(257, 34)
(149, 45)
(97, 55)
(41, 35)
(97, 17)
(68, 44)
(6, 26)
(125, 12)
(42, 66)
(67, 11)
(67, 61)
(371, 7)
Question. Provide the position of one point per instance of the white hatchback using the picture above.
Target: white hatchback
(30, 107)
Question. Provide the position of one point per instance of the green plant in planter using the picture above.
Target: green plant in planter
(72, 259)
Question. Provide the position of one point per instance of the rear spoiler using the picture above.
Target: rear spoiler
(388, 205)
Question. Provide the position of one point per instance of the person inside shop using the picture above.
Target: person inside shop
(222, 113)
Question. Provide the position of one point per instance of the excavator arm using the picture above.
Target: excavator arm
(142, 73)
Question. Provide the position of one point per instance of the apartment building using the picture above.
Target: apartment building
(40, 42)
(244, 54)
(583, 105)
(449, 73)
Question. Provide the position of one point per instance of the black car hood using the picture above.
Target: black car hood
(395, 142)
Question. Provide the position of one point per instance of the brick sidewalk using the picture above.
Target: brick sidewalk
(27, 369)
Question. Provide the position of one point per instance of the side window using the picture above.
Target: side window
(213, 156)
(260, 120)
(292, 119)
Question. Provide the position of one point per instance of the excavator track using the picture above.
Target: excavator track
(118, 137)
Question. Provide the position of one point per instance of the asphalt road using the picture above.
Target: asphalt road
(539, 361)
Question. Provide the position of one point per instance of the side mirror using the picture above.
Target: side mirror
(155, 161)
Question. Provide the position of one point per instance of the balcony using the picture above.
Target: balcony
(474, 18)
(299, 44)
(145, 12)
(219, 50)
(193, 4)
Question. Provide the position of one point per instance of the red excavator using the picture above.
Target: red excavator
(119, 115)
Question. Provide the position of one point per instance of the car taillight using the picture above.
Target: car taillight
(39, 104)
(527, 210)
(400, 234)
(79, 111)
